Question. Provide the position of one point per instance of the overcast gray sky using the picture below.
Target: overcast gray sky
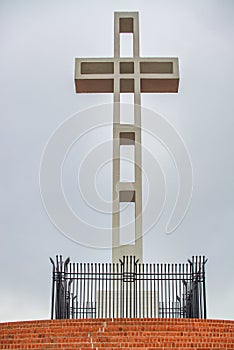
(39, 41)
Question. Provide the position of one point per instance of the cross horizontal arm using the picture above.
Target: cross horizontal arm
(96, 75)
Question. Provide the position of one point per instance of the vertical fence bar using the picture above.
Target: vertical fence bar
(139, 290)
(151, 293)
(169, 289)
(56, 290)
(134, 286)
(114, 290)
(201, 277)
(155, 294)
(161, 289)
(196, 282)
(204, 286)
(71, 293)
(102, 291)
(183, 289)
(91, 291)
(143, 289)
(177, 300)
(179, 291)
(106, 291)
(199, 285)
(118, 306)
(173, 292)
(195, 290)
(99, 290)
(188, 293)
(165, 293)
(126, 274)
(122, 289)
(110, 275)
(87, 282)
(145, 292)
(95, 290)
(76, 277)
(58, 277)
(83, 289)
(131, 286)
(80, 287)
(158, 290)
(135, 289)
(53, 287)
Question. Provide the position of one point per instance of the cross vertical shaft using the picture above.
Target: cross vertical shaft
(126, 191)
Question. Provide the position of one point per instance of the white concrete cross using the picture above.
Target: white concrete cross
(120, 75)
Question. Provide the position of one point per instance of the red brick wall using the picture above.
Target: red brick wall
(118, 334)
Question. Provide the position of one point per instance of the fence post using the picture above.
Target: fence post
(52, 294)
(204, 285)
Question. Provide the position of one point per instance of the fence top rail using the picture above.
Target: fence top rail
(194, 265)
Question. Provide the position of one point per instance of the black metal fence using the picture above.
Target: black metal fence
(128, 289)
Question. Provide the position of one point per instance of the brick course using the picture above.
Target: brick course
(151, 334)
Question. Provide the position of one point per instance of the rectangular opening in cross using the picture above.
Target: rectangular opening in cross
(127, 196)
(126, 67)
(126, 45)
(127, 224)
(127, 163)
(94, 85)
(127, 138)
(97, 67)
(127, 108)
(156, 67)
(126, 85)
(126, 25)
